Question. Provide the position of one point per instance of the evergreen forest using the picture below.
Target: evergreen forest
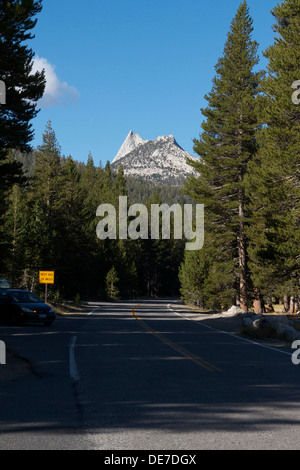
(247, 177)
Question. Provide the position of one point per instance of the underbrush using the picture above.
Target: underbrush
(67, 308)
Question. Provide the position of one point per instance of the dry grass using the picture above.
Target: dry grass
(202, 311)
(68, 309)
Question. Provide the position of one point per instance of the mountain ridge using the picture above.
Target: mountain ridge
(131, 142)
(161, 160)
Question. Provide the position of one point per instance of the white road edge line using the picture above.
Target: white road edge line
(73, 366)
(74, 373)
(93, 311)
(230, 334)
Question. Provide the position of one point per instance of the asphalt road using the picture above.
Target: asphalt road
(129, 376)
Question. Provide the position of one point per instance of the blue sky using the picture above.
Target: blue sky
(117, 65)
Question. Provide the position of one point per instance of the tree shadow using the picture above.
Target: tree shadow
(130, 378)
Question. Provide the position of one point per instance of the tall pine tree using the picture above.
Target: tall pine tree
(225, 146)
(23, 90)
(274, 175)
(45, 195)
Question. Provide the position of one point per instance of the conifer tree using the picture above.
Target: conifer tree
(120, 185)
(23, 88)
(225, 146)
(192, 275)
(15, 229)
(48, 168)
(274, 175)
(107, 185)
(91, 182)
(44, 195)
(70, 240)
(22, 91)
(111, 284)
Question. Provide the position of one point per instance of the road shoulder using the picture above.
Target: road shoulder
(231, 324)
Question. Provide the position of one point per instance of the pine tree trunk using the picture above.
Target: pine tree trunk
(257, 301)
(111, 289)
(292, 304)
(296, 303)
(286, 303)
(14, 244)
(242, 255)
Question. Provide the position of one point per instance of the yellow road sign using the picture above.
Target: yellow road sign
(46, 277)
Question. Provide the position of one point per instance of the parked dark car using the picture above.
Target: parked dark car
(18, 306)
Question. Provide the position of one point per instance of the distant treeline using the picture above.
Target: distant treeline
(50, 224)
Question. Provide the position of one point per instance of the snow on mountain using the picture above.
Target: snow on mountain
(161, 160)
(131, 142)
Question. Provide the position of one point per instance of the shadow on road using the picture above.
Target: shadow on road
(131, 379)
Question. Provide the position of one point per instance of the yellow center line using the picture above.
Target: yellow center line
(180, 349)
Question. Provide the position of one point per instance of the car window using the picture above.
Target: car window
(25, 297)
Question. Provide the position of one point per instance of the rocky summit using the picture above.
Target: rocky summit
(160, 161)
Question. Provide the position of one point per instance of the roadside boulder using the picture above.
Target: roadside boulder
(247, 322)
(234, 310)
(279, 324)
(271, 321)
